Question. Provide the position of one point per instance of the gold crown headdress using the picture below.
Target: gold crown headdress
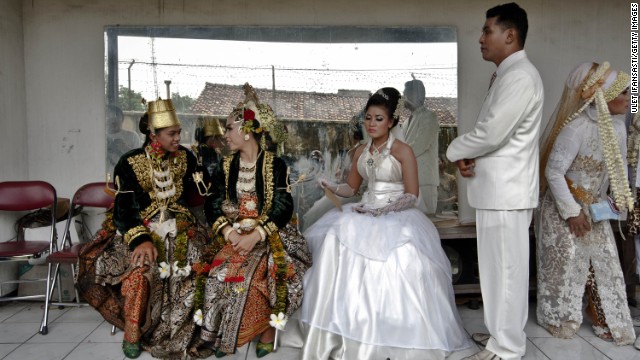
(162, 114)
(251, 109)
(212, 127)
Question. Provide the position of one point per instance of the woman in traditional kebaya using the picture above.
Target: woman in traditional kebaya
(148, 277)
(582, 158)
(256, 279)
(380, 286)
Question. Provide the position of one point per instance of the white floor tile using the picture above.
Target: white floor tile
(17, 333)
(83, 314)
(613, 351)
(533, 330)
(65, 333)
(8, 309)
(33, 313)
(103, 351)
(565, 349)
(7, 348)
(533, 353)
(464, 353)
(38, 351)
(474, 325)
(102, 334)
(81, 333)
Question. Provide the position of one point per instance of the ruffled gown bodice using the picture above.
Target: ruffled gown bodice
(383, 173)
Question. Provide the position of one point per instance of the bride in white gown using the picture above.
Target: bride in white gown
(380, 286)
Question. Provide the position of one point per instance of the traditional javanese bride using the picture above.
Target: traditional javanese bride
(583, 159)
(380, 286)
(256, 279)
(143, 271)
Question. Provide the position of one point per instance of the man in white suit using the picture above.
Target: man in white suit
(421, 133)
(500, 159)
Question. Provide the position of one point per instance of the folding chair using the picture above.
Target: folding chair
(89, 195)
(21, 196)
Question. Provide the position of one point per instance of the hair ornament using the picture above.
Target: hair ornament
(251, 110)
(399, 108)
(595, 81)
(381, 93)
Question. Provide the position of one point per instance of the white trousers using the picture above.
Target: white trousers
(503, 261)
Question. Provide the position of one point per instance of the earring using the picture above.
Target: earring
(155, 145)
(246, 137)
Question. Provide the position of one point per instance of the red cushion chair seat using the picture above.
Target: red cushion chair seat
(22, 248)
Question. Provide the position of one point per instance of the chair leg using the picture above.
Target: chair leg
(75, 288)
(51, 283)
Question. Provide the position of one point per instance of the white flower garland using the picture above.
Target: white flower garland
(633, 148)
(610, 149)
(612, 156)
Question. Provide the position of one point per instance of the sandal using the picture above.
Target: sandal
(481, 338)
(607, 336)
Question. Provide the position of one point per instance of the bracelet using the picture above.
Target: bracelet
(263, 233)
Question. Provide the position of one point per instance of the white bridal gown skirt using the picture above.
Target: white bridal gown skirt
(379, 287)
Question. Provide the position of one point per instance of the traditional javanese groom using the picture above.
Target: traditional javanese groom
(421, 132)
(499, 157)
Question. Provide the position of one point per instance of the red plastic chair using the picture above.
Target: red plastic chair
(89, 195)
(21, 196)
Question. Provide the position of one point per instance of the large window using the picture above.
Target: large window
(317, 79)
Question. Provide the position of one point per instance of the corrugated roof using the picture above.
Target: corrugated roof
(219, 100)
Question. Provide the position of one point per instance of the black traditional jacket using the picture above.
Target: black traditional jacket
(136, 199)
(275, 204)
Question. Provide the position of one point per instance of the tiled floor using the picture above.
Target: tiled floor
(80, 334)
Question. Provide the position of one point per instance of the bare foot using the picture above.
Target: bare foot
(268, 336)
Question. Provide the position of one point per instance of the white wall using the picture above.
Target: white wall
(13, 134)
(13, 121)
(64, 59)
(13, 124)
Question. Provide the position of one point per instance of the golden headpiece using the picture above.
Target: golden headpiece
(252, 109)
(212, 127)
(162, 114)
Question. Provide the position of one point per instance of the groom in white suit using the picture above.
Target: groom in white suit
(500, 159)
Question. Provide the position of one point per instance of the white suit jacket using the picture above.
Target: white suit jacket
(422, 135)
(504, 141)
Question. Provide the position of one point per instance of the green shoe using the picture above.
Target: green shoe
(264, 349)
(131, 350)
(220, 353)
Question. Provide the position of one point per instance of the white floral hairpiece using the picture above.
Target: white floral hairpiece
(399, 108)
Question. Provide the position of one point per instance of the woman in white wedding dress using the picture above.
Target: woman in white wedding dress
(380, 286)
